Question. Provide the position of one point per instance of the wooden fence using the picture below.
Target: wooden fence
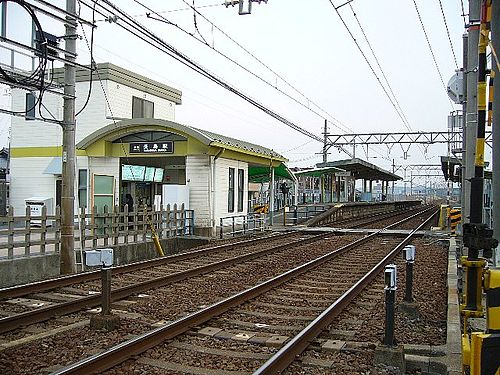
(30, 235)
(119, 226)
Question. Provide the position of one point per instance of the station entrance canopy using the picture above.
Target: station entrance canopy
(361, 169)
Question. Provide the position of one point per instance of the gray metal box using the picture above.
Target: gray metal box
(100, 257)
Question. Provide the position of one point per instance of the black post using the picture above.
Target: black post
(221, 234)
(234, 234)
(409, 282)
(106, 290)
(390, 298)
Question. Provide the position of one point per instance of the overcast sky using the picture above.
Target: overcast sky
(305, 43)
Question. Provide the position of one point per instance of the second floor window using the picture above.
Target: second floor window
(142, 108)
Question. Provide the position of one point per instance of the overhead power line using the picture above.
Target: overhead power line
(337, 123)
(370, 65)
(380, 68)
(432, 52)
(132, 26)
(448, 33)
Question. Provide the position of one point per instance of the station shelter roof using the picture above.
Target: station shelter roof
(361, 169)
(260, 159)
(317, 172)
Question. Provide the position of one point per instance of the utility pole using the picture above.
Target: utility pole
(471, 105)
(68, 149)
(393, 171)
(495, 41)
(465, 41)
(325, 140)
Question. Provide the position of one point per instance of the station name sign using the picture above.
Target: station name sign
(166, 147)
(342, 174)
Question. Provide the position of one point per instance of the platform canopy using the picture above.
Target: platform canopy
(361, 169)
(317, 172)
(263, 174)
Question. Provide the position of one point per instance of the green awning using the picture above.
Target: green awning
(263, 174)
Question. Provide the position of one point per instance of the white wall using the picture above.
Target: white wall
(120, 97)
(35, 133)
(28, 180)
(198, 180)
(222, 187)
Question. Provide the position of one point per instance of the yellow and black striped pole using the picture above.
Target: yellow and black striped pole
(491, 95)
(455, 219)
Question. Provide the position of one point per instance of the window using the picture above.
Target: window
(241, 188)
(230, 192)
(142, 108)
(82, 188)
(30, 106)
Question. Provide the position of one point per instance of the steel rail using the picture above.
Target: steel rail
(287, 354)
(396, 214)
(121, 352)
(41, 286)
(15, 321)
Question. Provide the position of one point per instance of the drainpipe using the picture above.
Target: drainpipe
(214, 223)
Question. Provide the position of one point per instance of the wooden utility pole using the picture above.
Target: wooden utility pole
(68, 148)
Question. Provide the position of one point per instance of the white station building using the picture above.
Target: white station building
(128, 143)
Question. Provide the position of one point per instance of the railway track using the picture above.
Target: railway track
(40, 305)
(249, 345)
(380, 220)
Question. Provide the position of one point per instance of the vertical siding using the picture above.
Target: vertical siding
(198, 179)
(222, 187)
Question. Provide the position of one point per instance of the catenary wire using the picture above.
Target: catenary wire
(255, 75)
(432, 51)
(145, 34)
(448, 33)
(252, 55)
(369, 64)
(380, 67)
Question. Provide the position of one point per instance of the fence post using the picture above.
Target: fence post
(167, 224)
(221, 233)
(136, 224)
(94, 227)
(183, 220)
(27, 231)
(57, 233)
(158, 218)
(43, 230)
(105, 224)
(10, 239)
(126, 218)
(175, 219)
(144, 222)
(116, 224)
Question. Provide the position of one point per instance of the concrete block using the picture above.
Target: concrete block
(333, 345)
(390, 356)
(107, 322)
(243, 336)
(260, 340)
(209, 331)
(277, 341)
(25, 270)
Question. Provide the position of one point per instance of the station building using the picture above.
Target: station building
(131, 151)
